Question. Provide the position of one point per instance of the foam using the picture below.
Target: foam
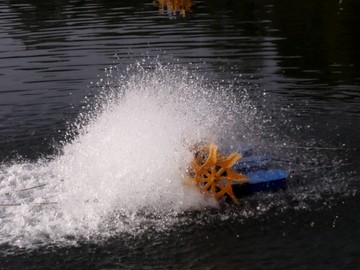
(124, 171)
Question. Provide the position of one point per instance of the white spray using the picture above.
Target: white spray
(127, 164)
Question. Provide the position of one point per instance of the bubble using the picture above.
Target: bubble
(123, 168)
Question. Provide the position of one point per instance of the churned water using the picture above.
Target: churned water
(93, 162)
(130, 155)
(124, 169)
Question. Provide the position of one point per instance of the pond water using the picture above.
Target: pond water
(98, 97)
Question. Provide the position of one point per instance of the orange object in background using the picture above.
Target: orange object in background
(174, 7)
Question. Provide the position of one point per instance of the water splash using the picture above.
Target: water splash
(123, 170)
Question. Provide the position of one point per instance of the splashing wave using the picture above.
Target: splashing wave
(125, 168)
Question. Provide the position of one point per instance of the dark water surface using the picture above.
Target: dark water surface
(299, 61)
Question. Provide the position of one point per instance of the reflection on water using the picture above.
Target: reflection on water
(301, 52)
(50, 51)
(322, 45)
(175, 8)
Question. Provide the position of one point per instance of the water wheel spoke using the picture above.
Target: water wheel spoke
(229, 161)
(220, 171)
(235, 176)
(223, 178)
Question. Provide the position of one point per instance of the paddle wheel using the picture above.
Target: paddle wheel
(212, 172)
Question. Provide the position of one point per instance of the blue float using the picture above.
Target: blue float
(261, 177)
